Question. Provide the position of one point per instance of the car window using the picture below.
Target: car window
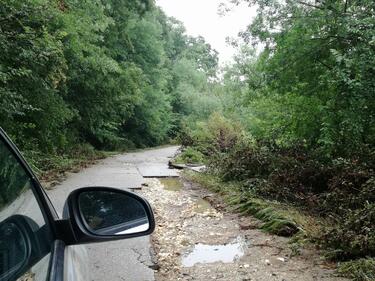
(25, 237)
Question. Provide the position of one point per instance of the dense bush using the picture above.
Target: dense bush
(342, 190)
(217, 135)
(354, 234)
(190, 156)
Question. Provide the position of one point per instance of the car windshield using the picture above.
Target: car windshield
(13, 179)
(25, 237)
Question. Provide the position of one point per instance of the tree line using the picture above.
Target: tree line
(113, 74)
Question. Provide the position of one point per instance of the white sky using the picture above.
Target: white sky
(201, 17)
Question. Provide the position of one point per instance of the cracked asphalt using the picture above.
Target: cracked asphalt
(129, 259)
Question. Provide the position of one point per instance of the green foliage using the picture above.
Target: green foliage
(115, 75)
(296, 122)
(358, 270)
(50, 167)
(339, 188)
(312, 83)
(32, 75)
(190, 156)
(274, 220)
(217, 135)
(354, 234)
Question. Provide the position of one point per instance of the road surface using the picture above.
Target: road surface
(126, 259)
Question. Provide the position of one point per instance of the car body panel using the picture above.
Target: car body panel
(76, 263)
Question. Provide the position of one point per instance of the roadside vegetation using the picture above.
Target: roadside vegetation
(287, 131)
(81, 76)
(292, 141)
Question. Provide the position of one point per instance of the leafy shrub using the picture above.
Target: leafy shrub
(43, 163)
(353, 236)
(351, 187)
(217, 135)
(244, 161)
(190, 156)
(185, 136)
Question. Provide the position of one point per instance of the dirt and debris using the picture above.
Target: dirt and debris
(196, 238)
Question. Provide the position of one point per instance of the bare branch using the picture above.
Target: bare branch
(310, 5)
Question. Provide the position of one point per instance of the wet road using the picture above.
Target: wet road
(127, 259)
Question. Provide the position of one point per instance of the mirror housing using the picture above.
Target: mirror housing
(100, 214)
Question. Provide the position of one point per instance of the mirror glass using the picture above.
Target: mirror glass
(112, 213)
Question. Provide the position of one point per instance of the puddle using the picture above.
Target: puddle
(202, 206)
(203, 253)
(171, 184)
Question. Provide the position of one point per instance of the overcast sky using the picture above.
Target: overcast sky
(201, 17)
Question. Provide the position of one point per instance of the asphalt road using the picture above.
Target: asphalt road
(126, 259)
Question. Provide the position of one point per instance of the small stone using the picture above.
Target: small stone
(281, 259)
(154, 266)
(246, 265)
(245, 225)
(267, 262)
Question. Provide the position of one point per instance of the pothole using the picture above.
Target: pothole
(226, 253)
(202, 206)
(171, 184)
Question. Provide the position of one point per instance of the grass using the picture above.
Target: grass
(358, 270)
(277, 218)
(52, 167)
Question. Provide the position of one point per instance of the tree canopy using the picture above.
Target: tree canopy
(102, 72)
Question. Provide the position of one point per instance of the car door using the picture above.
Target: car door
(23, 204)
(33, 239)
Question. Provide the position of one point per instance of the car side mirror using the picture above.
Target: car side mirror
(98, 214)
(20, 247)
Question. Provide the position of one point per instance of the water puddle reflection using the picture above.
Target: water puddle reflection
(202, 206)
(171, 184)
(226, 253)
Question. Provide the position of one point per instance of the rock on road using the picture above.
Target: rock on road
(125, 259)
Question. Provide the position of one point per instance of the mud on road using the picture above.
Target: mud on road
(196, 238)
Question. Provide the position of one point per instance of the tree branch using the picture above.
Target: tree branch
(310, 5)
